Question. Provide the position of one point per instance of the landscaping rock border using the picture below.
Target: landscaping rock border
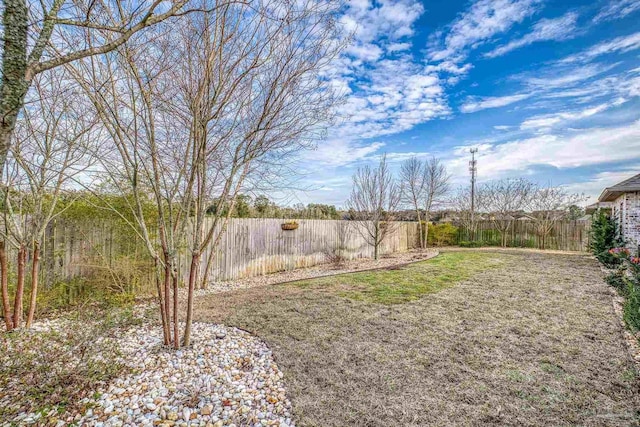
(227, 377)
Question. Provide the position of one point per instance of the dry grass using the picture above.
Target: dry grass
(530, 342)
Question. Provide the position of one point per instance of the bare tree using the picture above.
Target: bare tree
(374, 200)
(40, 36)
(461, 203)
(412, 177)
(196, 115)
(503, 198)
(436, 187)
(549, 205)
(51, 147)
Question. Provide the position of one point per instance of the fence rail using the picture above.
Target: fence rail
(565, 235)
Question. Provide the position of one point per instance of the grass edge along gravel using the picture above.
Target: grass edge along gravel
(397, 285)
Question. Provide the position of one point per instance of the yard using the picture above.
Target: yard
(468, 338)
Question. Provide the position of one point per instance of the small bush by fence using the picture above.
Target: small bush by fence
(565, 236)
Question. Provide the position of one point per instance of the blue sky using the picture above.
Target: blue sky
(547, 90)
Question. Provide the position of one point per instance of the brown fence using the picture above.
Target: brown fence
(249, 247)
(565, 235)
(257, 246)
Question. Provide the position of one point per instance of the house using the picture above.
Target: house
(625, 207)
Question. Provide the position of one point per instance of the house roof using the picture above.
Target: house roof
(597, 205)
(611, 193)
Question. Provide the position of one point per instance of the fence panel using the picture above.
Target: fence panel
(565, 235)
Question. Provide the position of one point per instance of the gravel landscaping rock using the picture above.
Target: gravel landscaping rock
(227, 377)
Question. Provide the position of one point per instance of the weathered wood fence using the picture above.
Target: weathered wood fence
(565, 235)
(105, 253)
(256, 246)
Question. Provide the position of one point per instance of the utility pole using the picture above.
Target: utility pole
(473, 168)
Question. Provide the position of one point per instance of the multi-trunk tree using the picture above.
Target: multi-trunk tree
(373, 203)
(51, 147)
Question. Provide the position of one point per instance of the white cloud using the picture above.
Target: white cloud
(340, 152)
(583, 148)
(546, 29)
(472, 105)
(618, 45)
(479, 24)
(593, 187)
(617, 9)
(545, 121)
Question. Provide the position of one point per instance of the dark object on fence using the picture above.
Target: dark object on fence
(289, 225)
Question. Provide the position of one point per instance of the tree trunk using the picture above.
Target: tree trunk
(163, 305)
(421, 238)
(35, 269)
(167, 292)
(176, 332)
(427, 217)
(4, 283)
(17, 305)
(193, 272)
(14, 83)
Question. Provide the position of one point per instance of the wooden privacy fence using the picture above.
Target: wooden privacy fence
(565, 235)
(112, 255)
(256, 246)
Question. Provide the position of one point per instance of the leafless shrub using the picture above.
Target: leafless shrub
(336, 255)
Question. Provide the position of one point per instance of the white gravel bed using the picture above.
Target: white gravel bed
(350, 266)
(226, 378)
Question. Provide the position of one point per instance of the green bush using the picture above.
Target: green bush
(605, 236)
(442, 234)
(632, 306)
(468, 244)
(617, 280)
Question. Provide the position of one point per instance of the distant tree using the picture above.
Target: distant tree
(261, 204)
(502, 198)
(461, 203)
(575, 212)
(412, 176)
(436, 187)
(373, 202)
(549, 205)
(242, 208)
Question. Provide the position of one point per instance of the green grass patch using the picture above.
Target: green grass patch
(408, 283)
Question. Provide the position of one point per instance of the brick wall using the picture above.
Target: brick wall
(626, 209)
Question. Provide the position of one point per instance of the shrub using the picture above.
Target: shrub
(617, 280)
(468, 244)
(604, 236)
(442, 234)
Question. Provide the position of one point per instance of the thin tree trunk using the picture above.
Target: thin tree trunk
(4, 283)
(176, 332)
(35, 269)
(193, 272)
(421, 237)
(161, 302)
(427, 217)
(17, 306)
(167, 293)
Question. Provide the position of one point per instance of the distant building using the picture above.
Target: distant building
(625, 207)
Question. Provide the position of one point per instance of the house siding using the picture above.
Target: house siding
(626, 210)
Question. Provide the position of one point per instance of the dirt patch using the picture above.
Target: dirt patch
(531, 342)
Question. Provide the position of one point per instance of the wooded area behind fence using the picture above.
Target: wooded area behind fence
(565, 235)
